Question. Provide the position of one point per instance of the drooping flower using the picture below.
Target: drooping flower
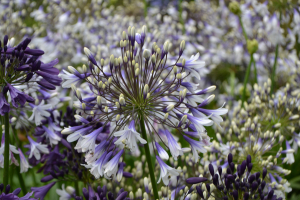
(129, 137)
(166, 171)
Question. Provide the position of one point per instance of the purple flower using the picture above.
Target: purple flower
(40, 192)
(4, 106)
(18, 97)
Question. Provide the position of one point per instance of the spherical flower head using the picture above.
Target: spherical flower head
(142, 87)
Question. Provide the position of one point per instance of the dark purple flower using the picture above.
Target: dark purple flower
(40, 192)
(195, 180)
(18, 97)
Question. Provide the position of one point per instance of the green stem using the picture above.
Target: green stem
(232, 78)
(21, 181)
(244, 32)
(6, 150)
(255, 72)
(274, 70)
(246, 80)
(180, 16)
(76, 187)
(145, 8)
(148, 157)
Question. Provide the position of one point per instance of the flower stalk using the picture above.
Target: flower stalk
(6, 150)
(246, 80)
(148, 157)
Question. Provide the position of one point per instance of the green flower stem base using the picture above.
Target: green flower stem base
(148, 157)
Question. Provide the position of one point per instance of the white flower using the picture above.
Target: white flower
(39, 112)
(36, 148)
(166, 171)
(24, 163)
(63, 194)
(129, 137)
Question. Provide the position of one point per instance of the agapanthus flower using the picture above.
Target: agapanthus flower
(231, 181)
(40, 192)
(22, 67)
(140, 87)
(37, 148)
(7, 195)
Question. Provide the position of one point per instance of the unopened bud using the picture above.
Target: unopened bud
(118, 117)
(146, 54)
(170, 107)
(122, 101)
(234, 7)
(175, 69)
(98, 100)
(146, 89)
(78, 93)
(166, 116)
(137, 72)
(84, 69)
(179, 76)
(183, 119)
(106, 109)
(83, 106)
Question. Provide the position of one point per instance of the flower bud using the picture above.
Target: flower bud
(84, 69)
(121, 44)
(146, 54)
(109, 80)
(100, 84)
(137, 72)
(83, 106)
(153, 58)
(102, 62)
(170, 107)
(166, 116)
(166, 47)
(182, 45)
(122, 101)
(132, 32)
(112, 59)
(99, 100)
(175, 69)
(72, 69)
(70, 190)
(183, 62)
(252, 46)
(125, 59)
(118, 117)
(106, 109)
(146, 89)
(73, 87)
(234, 7)
(124, 36)
(184, 93)
(183, 119)
(117, 105)
(179, 76)
(78, 93)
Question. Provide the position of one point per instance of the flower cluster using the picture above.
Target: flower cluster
(233, 182)
(138, 87)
